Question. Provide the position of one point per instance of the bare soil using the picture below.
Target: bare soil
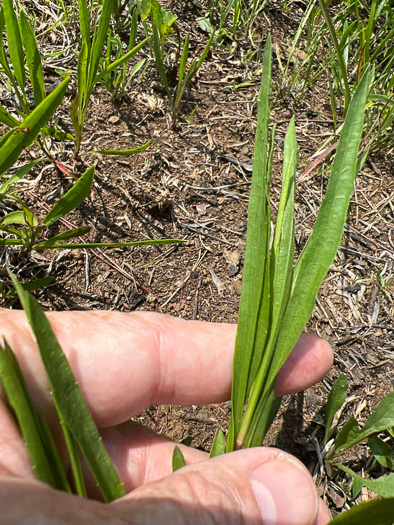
(193, 183)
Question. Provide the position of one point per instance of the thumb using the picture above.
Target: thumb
(254, 486)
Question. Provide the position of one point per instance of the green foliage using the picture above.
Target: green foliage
(335, 400)
(115, 74)
(88, 70)
(219, 445)
(378, 512)
(30, 231)
(76, 420)
(40, 444)
(353, 37)
(26, 132)
(277, 299)
(184, 70)
(178, 460)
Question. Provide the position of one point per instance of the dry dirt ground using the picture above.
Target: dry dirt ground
(193, 183)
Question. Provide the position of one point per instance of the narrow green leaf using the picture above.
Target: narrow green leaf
(178, 460)
(100, 36)
(121, 152)
(347, 434)
(378, 512)
(27, 131)
(335, 400)
(310, 270)
(83, 87)
(69, 400)
(33, 59)
(125, 58)
(36, 284)
(381, 419)
(160, 60)
(384, 486)
(22, 172)
(257, 246)
(7, 119)
(84, 22)
(78, 232)
(219, 445)
(108, 244)
(383, 453)
(15, 43)
(75, 462)
(72, 198)
(10, 242)
(34, 431)
(356, 488)
(183, 61)
(5, 137)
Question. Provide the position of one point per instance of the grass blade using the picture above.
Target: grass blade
(46, 463)
(159, 59)
(33, 59)
(18, 175)
(100, 36)
(72, 198)
(321, 248)
(183, 61)
(7, 119)
(15, 43)
(257, 246)
(335, 400)
(25, 134)
(69, 400)
(116, 63)
(153, 242)
(78, 232)
(84, 22)
(121, 152)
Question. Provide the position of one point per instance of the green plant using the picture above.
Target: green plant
(118, 79)
(382, 420)
(355, 36)
(23, 52)
(29, 234)
(79, 429)
(183, 70)
(278, 296)
(88, 74)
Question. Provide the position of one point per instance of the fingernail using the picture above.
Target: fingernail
(285, 493)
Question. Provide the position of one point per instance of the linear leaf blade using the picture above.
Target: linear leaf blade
(72, 198)
(33, 60)
(30, 422)
(378, 512)
(255, 256)
(335, 400)
(27, 131)
(15, 43)
(153, 242)
(69, 400)
(321, 248)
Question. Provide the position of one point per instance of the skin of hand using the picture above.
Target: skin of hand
(125, 362)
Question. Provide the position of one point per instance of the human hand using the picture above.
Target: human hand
(125, 362)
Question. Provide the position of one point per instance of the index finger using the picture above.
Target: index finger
(125, 362)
